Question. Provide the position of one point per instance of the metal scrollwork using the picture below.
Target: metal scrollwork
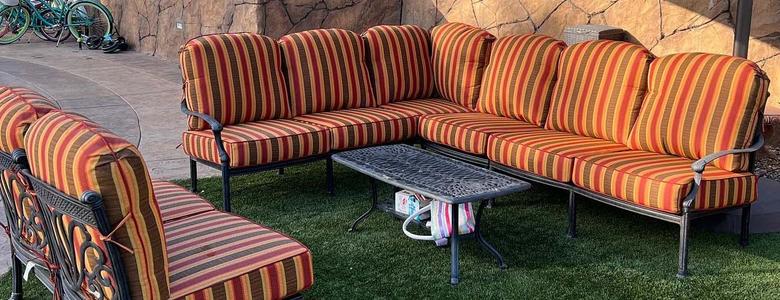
(25, 218)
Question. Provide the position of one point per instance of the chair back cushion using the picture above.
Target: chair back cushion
(518, 82)
(400, 62)
(19, 107)
(76, 155)
(460, 54)
(234, 77)
(326, 71)
(698, 104)
(599, 89)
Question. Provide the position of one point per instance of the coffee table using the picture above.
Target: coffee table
(436, 177)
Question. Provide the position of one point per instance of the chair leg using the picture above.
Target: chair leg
(329, 176)
(17, 269)
(744, 234)
(193, 175)
(572, 231)
(226, 188)
(682, 268)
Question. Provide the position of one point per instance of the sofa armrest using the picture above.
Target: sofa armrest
(699, 165)
(216, 128)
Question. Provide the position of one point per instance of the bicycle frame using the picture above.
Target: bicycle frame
(38, 20)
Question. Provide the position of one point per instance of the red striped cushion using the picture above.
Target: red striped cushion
(699, 104)
(661, 181)
(19, 107)
(176, 202)
(215, 255)
(460, 54)
(259, 143)
(326, 71)
(544, 152)
(400, 60)
(467, 132)
(599, 90)
(234, 77)
(422, 107)
(518, 82)
(364, 126)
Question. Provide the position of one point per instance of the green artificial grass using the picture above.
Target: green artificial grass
(617, 254)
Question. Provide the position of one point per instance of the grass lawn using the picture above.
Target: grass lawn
(617, 255)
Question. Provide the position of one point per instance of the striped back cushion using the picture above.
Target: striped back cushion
(235, 78)
(698, 104)
(400, 59)
(326, 71)
(599, 89)
(19, 107)
(518, 82)
(460, 53)
(76, 155)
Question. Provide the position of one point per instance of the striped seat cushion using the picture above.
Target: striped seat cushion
(400, 60)
(19, 107)
(599, 89)
(364, 126)
(661, 181)
(259, 143)
(518, 82)
(467, 132)
(326, 71)
(76, 155)
(460, 54)
(175, 202)
(215, 255)
(422, 107)
(544, 152)
(234, 77)
(698, 104)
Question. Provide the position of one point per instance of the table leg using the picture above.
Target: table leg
(485, 244)
(454, 260)
(374, 199)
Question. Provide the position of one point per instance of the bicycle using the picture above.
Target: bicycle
(84, 19)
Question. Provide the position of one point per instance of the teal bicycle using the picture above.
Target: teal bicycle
(55, 20)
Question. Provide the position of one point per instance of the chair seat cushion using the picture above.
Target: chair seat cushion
(661, 181)
(422, 107)
(215, 255)
(468, 131)
(545, 152)
(259, 143)
(175, 202)
(364, 126)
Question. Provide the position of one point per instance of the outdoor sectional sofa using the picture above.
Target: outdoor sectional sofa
(671, 138)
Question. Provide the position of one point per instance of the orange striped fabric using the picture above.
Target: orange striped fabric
(215, 255)
(545, 152)
(19, 107)
(422, 107)
(599, 89)
(76, 155)
(460, 54)
(661, 181)
(176, 202)
(400, 60)
(29, 229)
(234, 77)
(518, 82)
(84, 236)
(259, 143)
(326, 71)
(468, 132)
(364, 126)
(698, 104)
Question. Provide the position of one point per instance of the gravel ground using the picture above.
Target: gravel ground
(769, 161)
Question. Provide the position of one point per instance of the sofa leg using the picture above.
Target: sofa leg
(572, 231)
(17, 269)
(682, 269)
(193, 175)
(744, 234)
(226, 188)
(329, 176)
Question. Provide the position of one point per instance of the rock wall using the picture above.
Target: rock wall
(663, 26)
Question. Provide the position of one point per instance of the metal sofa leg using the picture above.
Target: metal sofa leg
(226, 188)
(682, 269)
(193, 175)
(17, 269)
(329, 176)
(572, 231)
(744, 234)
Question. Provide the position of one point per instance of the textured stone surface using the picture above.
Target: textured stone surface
(663, 26)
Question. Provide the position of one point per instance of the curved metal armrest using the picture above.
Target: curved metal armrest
(213, 123)
(699, 165)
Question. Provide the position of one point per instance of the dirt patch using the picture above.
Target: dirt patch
(769, 157)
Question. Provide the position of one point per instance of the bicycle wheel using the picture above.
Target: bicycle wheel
(14, 22)
(51, 33)
(87, 18)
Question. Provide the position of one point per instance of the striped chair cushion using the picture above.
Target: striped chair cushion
(215, 255)
(460, 53)
(599, 89)
(518, 82)
(234, 77)
(545, 152)
(698, 104)
(19, 107)
(259, 143)
(326, 71)
(467, 132)
(400, 60)
(422, 107)
(364, 126)
(176, 202)
(661, 181)
(76, 155)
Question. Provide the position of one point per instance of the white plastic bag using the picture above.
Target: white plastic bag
(441, 222)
